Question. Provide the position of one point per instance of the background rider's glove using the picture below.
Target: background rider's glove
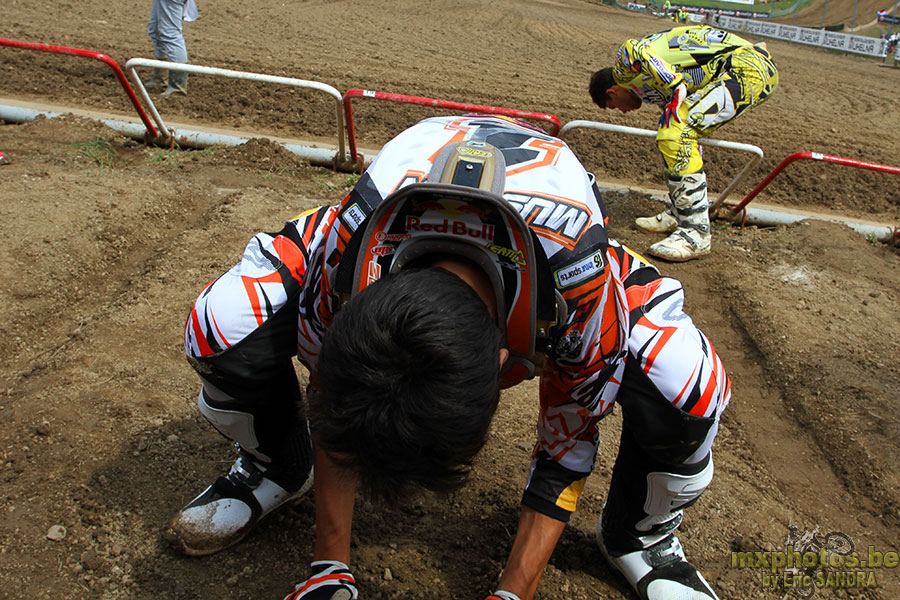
(330, 580)
(501, 595)
(671, 111)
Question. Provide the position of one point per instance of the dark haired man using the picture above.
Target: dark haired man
(703, 78)
(471, 255)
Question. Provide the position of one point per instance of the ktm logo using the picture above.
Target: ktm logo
(559, 219)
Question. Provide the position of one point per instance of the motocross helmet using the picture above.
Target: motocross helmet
(459, 210)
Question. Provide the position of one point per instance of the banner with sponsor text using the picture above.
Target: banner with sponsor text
(844, 42)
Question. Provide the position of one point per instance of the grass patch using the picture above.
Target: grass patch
(335, 182)
(99, 152)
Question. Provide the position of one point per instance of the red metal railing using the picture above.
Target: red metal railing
(811, 156)
(95, 55)
(449, 104)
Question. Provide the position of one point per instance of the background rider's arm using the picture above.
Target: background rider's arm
(335, 495)
(536, 538)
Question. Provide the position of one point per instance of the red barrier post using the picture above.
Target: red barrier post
(812, 156)
(449, 104)
(95, 55)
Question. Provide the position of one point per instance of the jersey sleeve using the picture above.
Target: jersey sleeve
(277, 271)
(578, 389)
(635, 314)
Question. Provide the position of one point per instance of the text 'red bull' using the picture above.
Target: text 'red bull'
(486, 232)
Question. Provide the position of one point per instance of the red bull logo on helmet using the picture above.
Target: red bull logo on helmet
(481, 231)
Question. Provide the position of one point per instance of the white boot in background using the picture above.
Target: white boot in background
(664, 222)
(690, 208)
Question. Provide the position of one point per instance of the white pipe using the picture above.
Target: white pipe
(189, 68)
(757, 215)
(328, 157)
(755, 150)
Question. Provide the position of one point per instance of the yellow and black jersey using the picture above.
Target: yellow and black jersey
(653, 66)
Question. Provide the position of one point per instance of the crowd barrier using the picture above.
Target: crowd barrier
(831, 40)
(340, 158)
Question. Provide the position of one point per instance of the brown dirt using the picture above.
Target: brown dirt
(107, 241)
(862, 13)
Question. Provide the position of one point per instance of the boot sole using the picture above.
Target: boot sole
(680, 260)
(650, 230)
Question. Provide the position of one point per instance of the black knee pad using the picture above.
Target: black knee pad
(666, 433)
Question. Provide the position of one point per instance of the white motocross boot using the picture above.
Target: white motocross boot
(229, 509)
(660, 571)
(234, 504)
(691, 237)
(664, 222)
(640, 541)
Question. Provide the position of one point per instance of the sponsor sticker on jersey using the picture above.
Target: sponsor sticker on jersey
(580, 271)
(662, 69)
(353, 216)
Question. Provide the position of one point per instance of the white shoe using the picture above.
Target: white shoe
(660, 572)
(684, 244)
(664, 222)
(229, 509)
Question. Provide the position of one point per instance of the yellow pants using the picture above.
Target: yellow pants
(747, 78)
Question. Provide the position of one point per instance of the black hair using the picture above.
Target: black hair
(601, 81)
(408, 380)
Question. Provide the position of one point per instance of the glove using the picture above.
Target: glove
(330, 580)
(671, 111)
(501, 595)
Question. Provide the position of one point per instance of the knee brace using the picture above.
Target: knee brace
(669, 493)
(646, 497)
(236, 425)
(271, 428)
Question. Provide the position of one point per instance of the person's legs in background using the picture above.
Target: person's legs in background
(168, 41)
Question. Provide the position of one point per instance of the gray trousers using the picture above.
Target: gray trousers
(165, 29)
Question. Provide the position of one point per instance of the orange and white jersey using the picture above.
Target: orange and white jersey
(619, 307)
(544, 181)
(629, 313)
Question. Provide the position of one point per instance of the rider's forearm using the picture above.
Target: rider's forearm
(335, 490)
(535, 540)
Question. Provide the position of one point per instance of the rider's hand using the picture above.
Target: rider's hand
(501, 595)
(330, 580)
(671, 111)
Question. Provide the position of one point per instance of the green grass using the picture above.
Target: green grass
(99, 152)
(334, 182)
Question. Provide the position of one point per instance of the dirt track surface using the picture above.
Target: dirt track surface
(106, 243)
(855, 14)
